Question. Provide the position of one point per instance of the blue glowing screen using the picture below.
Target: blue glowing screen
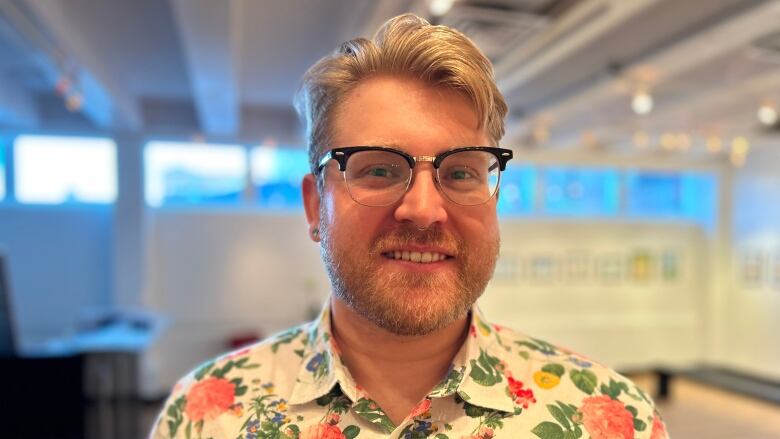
(277, 175)
(580, 191)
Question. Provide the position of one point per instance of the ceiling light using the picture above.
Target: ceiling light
(641, 139)
(767, 115)
(440, 7)
(714, 144)
(740, 146)
(668, 141)
(642, 103)
(683, 141)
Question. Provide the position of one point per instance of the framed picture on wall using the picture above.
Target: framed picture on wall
(610, 268)
(641, 265)
(670, 265)
(751, 267)
(506, 269)
(542, 269)
(576, 267)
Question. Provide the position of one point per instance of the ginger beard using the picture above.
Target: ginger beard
(405, 302)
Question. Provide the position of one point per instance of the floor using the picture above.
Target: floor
(698, 411)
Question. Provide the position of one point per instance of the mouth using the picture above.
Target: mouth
(420, 257)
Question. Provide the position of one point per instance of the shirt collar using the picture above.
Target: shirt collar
(477, 372)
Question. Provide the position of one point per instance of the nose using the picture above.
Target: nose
(422, 205)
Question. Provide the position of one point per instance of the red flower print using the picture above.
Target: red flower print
(659, 429)
(522, 397)
(485, 433)
(332, 419)
(420, 408)
(606, 418)
(323, 431)
(209, 398)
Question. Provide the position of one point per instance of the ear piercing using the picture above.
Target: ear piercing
(315, 233)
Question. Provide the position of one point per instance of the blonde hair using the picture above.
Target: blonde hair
(406, 45)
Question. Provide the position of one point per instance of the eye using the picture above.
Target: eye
(459, 173)
(378, 171)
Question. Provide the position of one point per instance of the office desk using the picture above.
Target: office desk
(81, 386)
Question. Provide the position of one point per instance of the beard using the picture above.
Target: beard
(404, 302)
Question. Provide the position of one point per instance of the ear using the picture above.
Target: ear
(311, 204)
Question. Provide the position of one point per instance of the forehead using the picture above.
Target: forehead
(407, 114)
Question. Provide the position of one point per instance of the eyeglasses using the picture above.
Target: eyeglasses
(380, 176)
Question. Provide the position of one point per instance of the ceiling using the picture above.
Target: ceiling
(569, 68)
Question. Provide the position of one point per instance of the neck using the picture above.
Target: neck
(397, 371)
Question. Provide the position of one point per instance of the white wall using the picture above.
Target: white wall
(750, 312)
(219, 274)
(60, 265)
(625, 318)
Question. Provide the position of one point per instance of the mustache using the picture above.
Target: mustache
(408, 234)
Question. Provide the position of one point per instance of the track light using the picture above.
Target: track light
(440, 7)
(767, 114)
(642, 103)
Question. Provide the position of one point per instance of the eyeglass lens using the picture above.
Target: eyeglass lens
(380, 178)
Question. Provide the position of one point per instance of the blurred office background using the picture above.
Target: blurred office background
(150, 214)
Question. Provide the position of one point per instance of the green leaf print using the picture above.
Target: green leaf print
(548, 430)
(559, 416)
(174, 412)
(639, 425)
(568, 409)
(351, 432)
(585, 380)
(555, 369)
(441, 436)
(485, 329)
(614, 389)
(203, 371)
(483, 370)
(538, 345)
(474, 411)
(285, 338)
(370, 411)
(449, 384)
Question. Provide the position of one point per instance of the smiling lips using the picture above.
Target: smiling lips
(414, 256)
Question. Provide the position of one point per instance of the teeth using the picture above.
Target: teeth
(424, 257)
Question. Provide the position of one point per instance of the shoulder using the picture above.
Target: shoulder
(572, 391)
(227, 384)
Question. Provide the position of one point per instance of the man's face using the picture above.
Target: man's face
(360, 244)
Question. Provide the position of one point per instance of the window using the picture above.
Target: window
(580, 192)
(59, 170)
(276, 176)
(516, 194)
(2, 173)
(181, 173)
(672, 195)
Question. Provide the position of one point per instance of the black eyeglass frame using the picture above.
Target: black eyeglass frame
(341, 155)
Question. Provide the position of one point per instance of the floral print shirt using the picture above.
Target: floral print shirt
(500, 384)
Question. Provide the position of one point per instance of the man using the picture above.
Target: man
(403, 133)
